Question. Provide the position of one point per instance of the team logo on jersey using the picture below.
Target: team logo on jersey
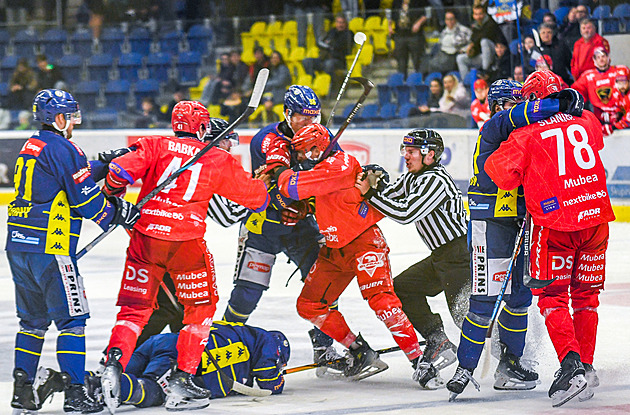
(588, 213)
(81, 175)
(604, 94)
(369, 261)
(549, 205)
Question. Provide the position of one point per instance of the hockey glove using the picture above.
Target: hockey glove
(114, 187)
(377, 177)
(607, 129)
(109, 155)
(297, 211)
(127, 214)
(571, 101)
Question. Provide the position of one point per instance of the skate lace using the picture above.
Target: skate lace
(528, 365)
(462, 375)
(331, 354)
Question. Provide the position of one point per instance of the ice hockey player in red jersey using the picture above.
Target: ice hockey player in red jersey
(557, 162)
(479, 108)
(597, 86)
(169, 238)
(355, 246)
(622, 98)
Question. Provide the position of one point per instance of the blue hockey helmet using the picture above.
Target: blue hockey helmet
(216, 126)
(424, 139)
(50, 102)
(284, 350)
(504, 90)
(300, 99)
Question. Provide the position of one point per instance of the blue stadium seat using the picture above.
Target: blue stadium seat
(403, 111)
(81, 42)
(188, 67)
(158, 65)
(112, 40)
(86, 93)
(54, 41)
(346, 111)
(7, 66)
(146, 88)
(5, 39)
(538, 15)
(128, 66)
(384, 94)
(102, 119)
(99, 66)
(24, 43)
(117, 93)
(513, 47)
(170, 41)
(609, 24)
(403, 94)
(414, 78)
(388, 111)
(70, 67)
(140, 41)
(422, 94)
(198, 38)
(369, 113)
(622, 13)
(385, 90)
(4, 94)
(432, 76)
(395, 79)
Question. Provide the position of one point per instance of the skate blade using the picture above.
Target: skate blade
(506, 383)
(444, 359)
(110, 395)
(435, 383)
(452, 396)
(576, 385)
(328, 373)
(586, 394)
(176, 403)
(376, 367)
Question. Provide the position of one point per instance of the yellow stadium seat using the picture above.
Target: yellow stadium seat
(312, 52)
(279, 109)
(290, 33)
(297, 70)
(305, 79)
(296, 55)
(356, 24)
(321, 84)
(377, 33)
(215, 112)
(255, 113)
(196, 91)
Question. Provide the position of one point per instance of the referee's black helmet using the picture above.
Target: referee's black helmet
(425, 140)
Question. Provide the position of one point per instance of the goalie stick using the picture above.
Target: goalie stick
(332, 362)
(257, 92)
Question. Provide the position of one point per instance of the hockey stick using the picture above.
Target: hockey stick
(332, 362)
(367, 87)
(520, 38)
(257, 92)
(528, 280)
(359, 39)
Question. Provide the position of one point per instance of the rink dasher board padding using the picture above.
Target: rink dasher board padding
(380, 146)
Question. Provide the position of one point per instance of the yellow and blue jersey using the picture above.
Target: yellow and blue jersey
(54, 190)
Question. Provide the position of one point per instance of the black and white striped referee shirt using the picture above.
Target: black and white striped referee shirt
(225, 212)
(431, 200)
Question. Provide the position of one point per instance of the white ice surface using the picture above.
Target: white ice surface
(391, 392)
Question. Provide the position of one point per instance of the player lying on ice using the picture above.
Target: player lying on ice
(247, 353)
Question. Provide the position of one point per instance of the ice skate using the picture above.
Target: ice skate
(78, 400)
(569, 380)
(183, 394)
(427, 375)
(48, 382)
(440, 352)
(459, 381)
(110, 380)
(363, 362)
(592, 381)
(25, 400)
(511, 375)
(333, 363)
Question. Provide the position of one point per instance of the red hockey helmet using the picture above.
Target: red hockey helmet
(309, 137)
(539, 84)
(622, 73)
(190, 117)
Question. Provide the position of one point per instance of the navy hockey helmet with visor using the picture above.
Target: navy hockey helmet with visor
(503, 91)
(284, 349)
(424, 139)
(50, 102)
(302, 100)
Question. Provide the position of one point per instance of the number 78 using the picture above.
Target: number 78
(578, 145)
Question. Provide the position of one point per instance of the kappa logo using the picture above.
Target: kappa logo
(505, 208)
(506, 195)
(369, 261)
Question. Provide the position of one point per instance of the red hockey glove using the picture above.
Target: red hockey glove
(607, 129)
(297, 211)
(114, 186)
(278, 155)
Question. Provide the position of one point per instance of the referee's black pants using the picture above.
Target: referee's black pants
(446, 269)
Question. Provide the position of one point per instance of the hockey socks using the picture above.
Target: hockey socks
(190, 345)
(472, 339)
(512, 324)
(71, 353)
(28, 349)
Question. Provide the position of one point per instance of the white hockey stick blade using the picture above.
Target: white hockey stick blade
(249, 391)
(360, 38)
(259, 88)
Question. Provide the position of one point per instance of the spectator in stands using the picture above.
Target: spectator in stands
(550, 19)
(480, 50)
(479, 108)
(178, 95)
(48, 76)
(149, 117)
(545, 63)
(239, 70)
(433, 101)
(279, 77)
(530, 54)
(334, 47)
(260, 61)
(584, 47)
(455, 99)
(300, 8)
(221, 92)
(97, 16)
(267, 115)
(557, 50)
(518, 74)
(453, 40)
(233, 106)
(570, 32)
(22, 86)
(501, 64)
(24, 120)
(406, 30)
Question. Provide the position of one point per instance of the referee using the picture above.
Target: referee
(428, 196)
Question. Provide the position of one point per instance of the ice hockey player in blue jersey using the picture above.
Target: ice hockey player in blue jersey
(286, 226)
(495, 216)
(54, 190)
(245, 352)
